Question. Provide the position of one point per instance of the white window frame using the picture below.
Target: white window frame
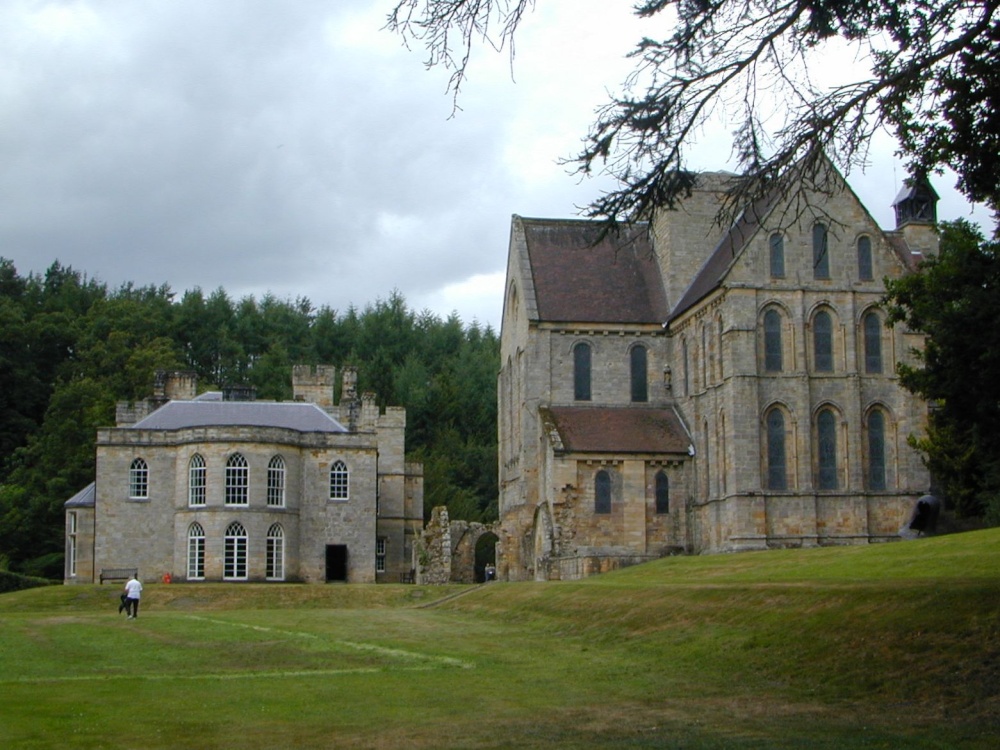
(138, 479)
(197, 481)
(380, 546)
(196, 553)
(275, 560)
(340, 482)
(276, 482)
(235, 560)
(237, 480)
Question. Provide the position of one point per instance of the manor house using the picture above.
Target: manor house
(221, 487)
(681, 387)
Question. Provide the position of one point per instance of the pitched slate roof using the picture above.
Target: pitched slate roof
(84, 498)
(617, 430)
(616, 280)
(301, 417)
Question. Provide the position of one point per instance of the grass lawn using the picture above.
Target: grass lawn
(886, 646)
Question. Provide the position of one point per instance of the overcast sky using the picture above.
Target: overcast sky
(297, 148)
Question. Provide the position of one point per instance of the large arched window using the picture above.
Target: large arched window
(826, 447)
(777, 470)
(772, 341)
(237, 480)
(581, 372)
(821, 254)
(340, 481)
(276, 482)
(637, 359)
(602, 492)
(873, 342)
(865, 271)
(823, 342)
(138, 480)
(275, 560)
(196, 552)
(196, 480)
(777, 245)
(235, 563)
(876, 450)
(662, 492)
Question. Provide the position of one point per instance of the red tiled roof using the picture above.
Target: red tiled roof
(618, 430)
(580, 279)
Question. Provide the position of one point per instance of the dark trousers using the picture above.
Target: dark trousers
(132, 607)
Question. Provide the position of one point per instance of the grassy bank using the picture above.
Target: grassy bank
(888, 646)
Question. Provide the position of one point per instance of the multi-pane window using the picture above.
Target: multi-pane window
(821, 254)
(873, 343)
(777, 256)
(865, 271)
(138, 480)
(276, 482)
(638, 364)
(339, 481)
(777, 473)
(196, 552)
(826, 445)
(662, 490)
(71, 527)
(196, 480)
(237, 480)
(602, 492)
(235, 561)
(772, 341)
(876, 450)
(380, 555)
(823, 342)
(274, 564)
(581, 372)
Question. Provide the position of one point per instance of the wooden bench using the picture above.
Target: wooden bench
(118, 574)
(407, 577)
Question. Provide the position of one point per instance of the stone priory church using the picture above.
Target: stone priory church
(682, 387)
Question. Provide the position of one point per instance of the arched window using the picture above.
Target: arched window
(662, 492)
(777, 256)
(196, 480)
(340, 481)
(772, 341)
(823, 342)
(826, 445)
(602, 492)
(687, 376)
(196, 552)
(237, 480)
(876, 450)
(777, 470)
(276, 482)
(821, 254)
(138, 480)
(873, 343)
(638, 364)
(865, 271)
(581, 372)
(275, 560)
(235, 563)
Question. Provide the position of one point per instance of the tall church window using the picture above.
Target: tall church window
(237, 480)
(687, 372)
(777, 245)
(340, 481)
(826, 445)
(772, 341)
(138, 480)
(639, 377)
(196, 480)
(276, 482)
(196, 552)
(865, 271)
(823, 342)
(821, 254)
(235, 561)
(777, 470)
(602, 492)
(873, 342)
(581, 372)
(662, 490)
(876, 450)
(274, 562)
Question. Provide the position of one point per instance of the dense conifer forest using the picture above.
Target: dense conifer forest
(70, 348)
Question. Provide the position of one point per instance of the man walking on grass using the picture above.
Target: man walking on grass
(133, 590)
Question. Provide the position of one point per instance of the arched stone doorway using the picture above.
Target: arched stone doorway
(486, 555)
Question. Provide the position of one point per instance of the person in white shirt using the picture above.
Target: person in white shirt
(133, 590)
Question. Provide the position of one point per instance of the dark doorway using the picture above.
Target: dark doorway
(486, 556)
(336, 562)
